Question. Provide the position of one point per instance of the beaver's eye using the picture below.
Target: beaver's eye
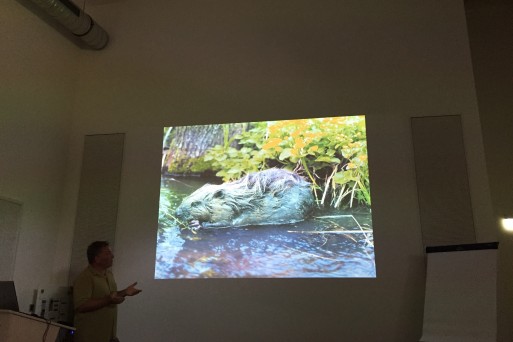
(219, 194)
(195, 203)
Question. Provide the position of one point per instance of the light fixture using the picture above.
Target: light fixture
(507, 223)
(76, 20)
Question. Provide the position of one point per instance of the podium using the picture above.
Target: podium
(20, 327)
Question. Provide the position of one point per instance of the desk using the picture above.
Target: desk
(20, 327)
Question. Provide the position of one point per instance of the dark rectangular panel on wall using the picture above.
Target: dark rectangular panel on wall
(97, 205)
(10, 216)
(442, 182)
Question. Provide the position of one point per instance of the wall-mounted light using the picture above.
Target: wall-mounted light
(75, 20)
(507, 223)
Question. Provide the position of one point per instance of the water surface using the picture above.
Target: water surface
(333, 243)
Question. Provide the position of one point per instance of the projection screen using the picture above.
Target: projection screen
(270, 199)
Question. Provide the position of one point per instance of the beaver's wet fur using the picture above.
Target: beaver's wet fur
(269, 197)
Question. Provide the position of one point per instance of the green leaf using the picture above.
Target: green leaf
(286, 153)
(344, 177)
(327, 159)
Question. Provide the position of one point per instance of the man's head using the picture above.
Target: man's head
(99, 254)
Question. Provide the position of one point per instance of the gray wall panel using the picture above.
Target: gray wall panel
(442, 182)
(10, 217)
(97, 206)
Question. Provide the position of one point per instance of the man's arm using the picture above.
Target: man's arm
(93, 304)
(129, 291)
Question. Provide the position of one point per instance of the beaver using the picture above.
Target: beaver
(269, 197)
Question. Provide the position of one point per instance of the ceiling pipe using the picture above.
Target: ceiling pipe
(77, 21)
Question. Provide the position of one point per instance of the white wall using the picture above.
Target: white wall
(491, 42)
(174, 63)
(37, 78)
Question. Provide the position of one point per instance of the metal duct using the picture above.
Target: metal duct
(77, 21)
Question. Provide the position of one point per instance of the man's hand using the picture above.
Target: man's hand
(115, 298)
(129, 291)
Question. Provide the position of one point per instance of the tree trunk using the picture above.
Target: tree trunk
(186, 144)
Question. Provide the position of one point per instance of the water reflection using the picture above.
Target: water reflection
(331, 244)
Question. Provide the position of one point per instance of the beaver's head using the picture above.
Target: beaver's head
(210, 203)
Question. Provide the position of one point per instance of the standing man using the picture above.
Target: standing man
(95, 297)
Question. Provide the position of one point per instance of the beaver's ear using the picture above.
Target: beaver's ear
(219, 194)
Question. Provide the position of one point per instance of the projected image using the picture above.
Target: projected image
(273, 199)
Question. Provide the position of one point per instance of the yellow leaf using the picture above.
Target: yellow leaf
(299, 143)
(271, 143)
